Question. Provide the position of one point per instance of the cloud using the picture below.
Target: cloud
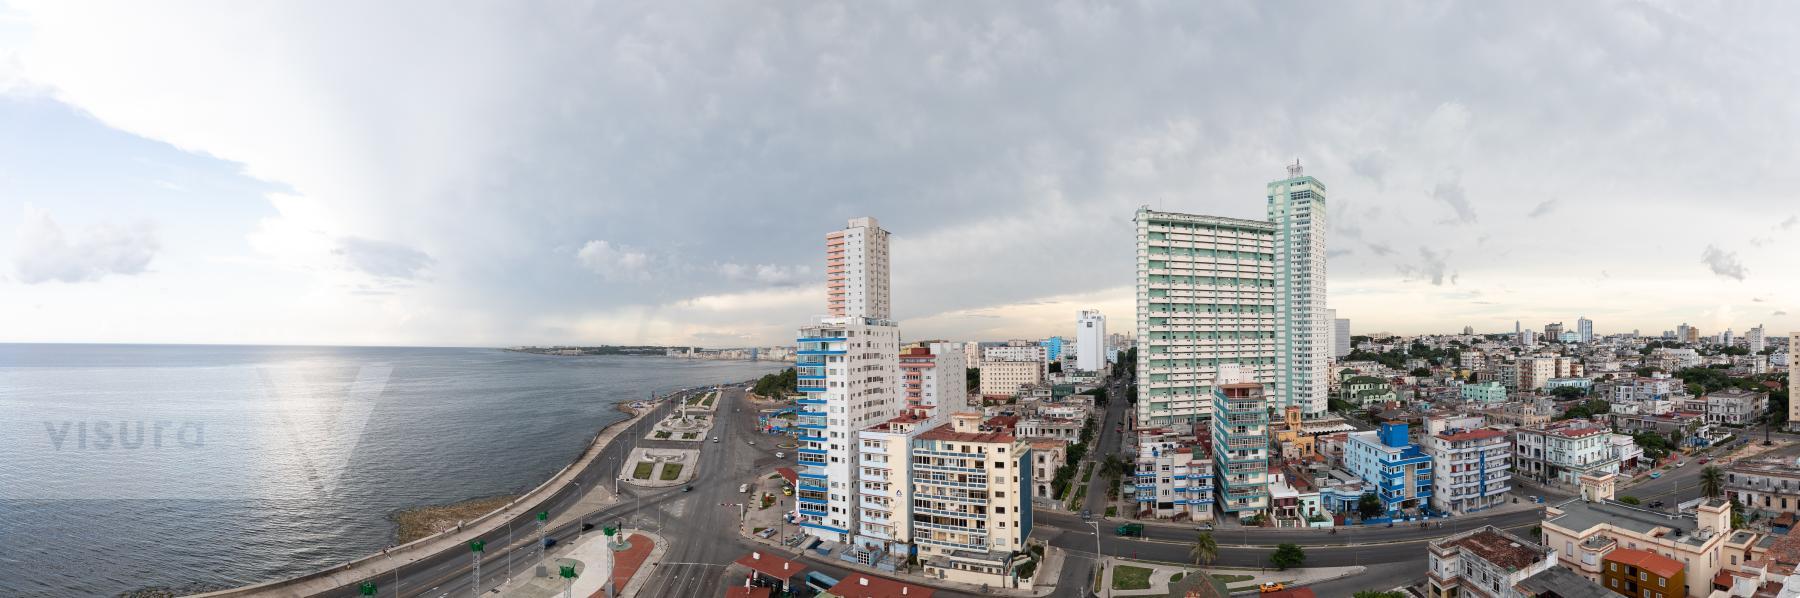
(1381, 249)
(1756, 299)
(1779, 312)
(382, 259)
(1545, 207)
(1372, 164)
(1330, 253)
(44, 253)
(614, 263)
(767, 274)
(1452, 194)
(1723, 263)
(1790, 222)
(1432, 267)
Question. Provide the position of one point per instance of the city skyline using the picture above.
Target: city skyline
(297, 192)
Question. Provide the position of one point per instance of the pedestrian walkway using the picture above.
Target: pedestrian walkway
(592, 557)
(645, 547)
(1044, 580)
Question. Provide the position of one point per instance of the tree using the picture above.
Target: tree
(1287, 555)
(1421, 372)
(973, 376)
(1569, 392)
(1630, 500)
(1056, 367)
(1205, 549)
(1370, 505)
(1712, 481)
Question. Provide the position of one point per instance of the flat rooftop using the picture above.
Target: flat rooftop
(1581, 515)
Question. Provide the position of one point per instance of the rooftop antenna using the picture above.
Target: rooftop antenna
(1294, 169)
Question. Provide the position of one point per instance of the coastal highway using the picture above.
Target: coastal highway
(450, 570)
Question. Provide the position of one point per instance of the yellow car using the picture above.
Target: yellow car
(1272, 587)
(787, 490)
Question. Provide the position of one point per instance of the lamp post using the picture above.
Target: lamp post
(390, 559)
(580, 517)
(475, 547)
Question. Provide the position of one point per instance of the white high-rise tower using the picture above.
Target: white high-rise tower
(1090, 341)
(1302, 328)
(848, 371)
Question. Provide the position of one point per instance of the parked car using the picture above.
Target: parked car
(687, 488)
(1130, 529)
(715, 440)
(1086, 514)
(780, 455)
(743, 487)
(1655, 474)
(1271, 587)
(1703, 460)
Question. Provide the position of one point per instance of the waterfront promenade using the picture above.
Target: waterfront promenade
(509, 528)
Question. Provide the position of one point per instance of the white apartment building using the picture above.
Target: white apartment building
(1205, 297)
(1584, 329)
(884, 484)
(934, 378)
(1471, 469)
(1535, 371)
(1090, 341)
(1174, 476)
(1562, 452)
(1754, 338)
(1016, 351)
(971, 500)
(1002, 378)
(1487, 562)
(1340, 336)
(856, 271)
(848, 373)
(1735, 407)
(1657, 387)
(1047, 456)
(1297, 210)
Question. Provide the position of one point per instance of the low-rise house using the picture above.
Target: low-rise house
(1293, 501)
(1768, 485)
(1486, 562)
(1366, 390)
(1047, 456)
(1484, 392)
(1642, 573)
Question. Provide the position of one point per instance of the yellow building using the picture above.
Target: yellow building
(1586, 529)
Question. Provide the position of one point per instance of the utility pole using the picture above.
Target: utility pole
(390, 559)
(542, 517)
(1100, 561)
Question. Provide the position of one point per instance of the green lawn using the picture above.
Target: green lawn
(670, 471)
(1112, 511)
(643, 469)
(662, 434)
(1177, 577)
(1127, 577)
(1080, 496)
(1232, 578)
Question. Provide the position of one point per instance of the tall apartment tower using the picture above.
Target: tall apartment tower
(856, 270)
(1754, 337)
(1090, 341)
(1205, 299)
(848, 372)
(1340, 336)
(1240, 437)
(1297, 211)
(1585, 328)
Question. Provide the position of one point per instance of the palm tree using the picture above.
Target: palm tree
(1712, 481)
(1205, 549)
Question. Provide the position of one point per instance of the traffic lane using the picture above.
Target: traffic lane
(1271, 536)
(1235, 556)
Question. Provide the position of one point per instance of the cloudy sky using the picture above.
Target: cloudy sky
(655, 172)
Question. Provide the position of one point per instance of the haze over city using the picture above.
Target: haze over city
(502, 174)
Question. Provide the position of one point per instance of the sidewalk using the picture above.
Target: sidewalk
(592, 557)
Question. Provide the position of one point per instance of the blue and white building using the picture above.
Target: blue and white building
(847, 367)
(1240, 436)
(1174, 476)
(1399, 470)
(1471, 470)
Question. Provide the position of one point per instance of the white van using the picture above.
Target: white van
(743, 487)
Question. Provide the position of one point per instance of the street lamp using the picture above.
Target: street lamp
(390, 560)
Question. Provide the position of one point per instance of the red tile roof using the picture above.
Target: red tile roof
(858, 585)
(771, 565)
(744, 592)
(1662, 566)
(787, 473)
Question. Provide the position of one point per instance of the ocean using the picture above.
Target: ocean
(194, 467)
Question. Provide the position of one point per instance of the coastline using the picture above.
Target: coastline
(471, 528)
